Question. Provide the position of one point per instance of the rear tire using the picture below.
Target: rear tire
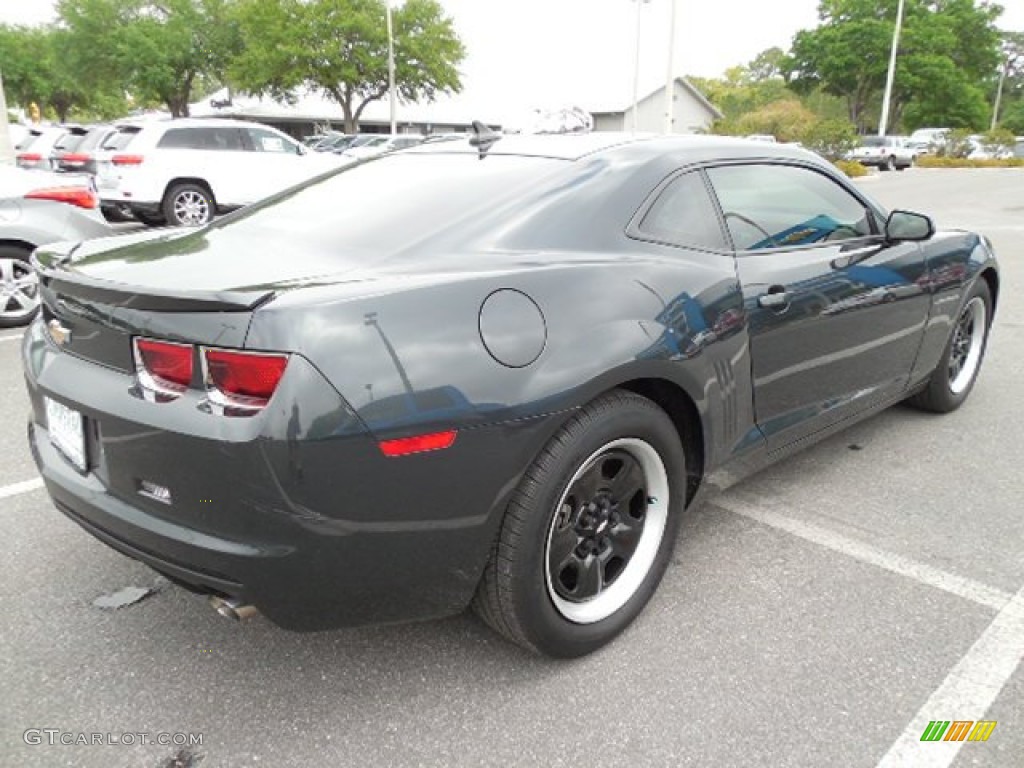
(19, 287)
(589, 531)
(953, 378)
(189, 205)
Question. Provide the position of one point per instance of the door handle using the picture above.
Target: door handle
(776, 298)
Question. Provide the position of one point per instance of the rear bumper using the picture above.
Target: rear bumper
(302, 517)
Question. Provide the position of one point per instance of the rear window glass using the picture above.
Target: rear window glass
(122, 138)
(93, 139)
(357, 208)
(69, 142)
(28, 141)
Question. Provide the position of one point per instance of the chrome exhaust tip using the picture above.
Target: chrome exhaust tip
(232, 608)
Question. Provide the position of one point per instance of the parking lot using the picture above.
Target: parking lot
(820, 613)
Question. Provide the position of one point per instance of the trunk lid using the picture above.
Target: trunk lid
(95, 319)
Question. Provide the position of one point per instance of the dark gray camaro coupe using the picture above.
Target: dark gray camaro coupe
(493, 372)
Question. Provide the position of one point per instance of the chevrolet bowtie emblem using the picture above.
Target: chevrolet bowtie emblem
(60, 334)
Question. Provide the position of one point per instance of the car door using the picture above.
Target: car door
(834, 310)
(215, 154)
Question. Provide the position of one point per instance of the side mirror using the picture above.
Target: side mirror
(906, 225)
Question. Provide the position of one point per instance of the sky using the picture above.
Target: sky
(551, 53)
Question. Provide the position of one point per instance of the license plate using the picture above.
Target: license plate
(67, 432)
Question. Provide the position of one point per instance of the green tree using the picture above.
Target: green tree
(339, 47)
(38, 69)
(847, 56)
(159, 50)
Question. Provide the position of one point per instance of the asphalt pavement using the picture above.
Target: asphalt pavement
(815, 615)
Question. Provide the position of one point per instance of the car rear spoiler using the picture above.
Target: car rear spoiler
(51, 265)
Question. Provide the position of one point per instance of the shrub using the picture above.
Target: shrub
(999, 142)
(851, 168)
(957, 144)
(785, 120)
(934, 161)
(833, 139)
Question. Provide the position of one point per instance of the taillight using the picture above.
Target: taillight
(164, 368)
(241, 383)
(83, 197)
(127, 159)
(74, 157)
(403, 446)
(30, 157)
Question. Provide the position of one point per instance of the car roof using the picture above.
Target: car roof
(191, 122)
(577, 146)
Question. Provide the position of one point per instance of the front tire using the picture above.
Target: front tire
(19, 287)
(589, 531)
(953, 378)
(189, 205)
(890, 164)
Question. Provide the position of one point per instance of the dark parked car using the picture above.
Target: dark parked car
(492, 372)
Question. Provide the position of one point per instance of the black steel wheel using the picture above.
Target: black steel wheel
(590, 530)
(952, 380)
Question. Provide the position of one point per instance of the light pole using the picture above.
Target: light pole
(670, 79)
(883, 124)
(636, 63)
(6, 150)
(391, 66)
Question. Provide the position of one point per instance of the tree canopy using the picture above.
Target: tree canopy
(99, 53)
(339, 48)
(947, 57)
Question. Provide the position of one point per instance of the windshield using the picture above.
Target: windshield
(876, 141)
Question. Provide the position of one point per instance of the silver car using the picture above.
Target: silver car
(38, 208)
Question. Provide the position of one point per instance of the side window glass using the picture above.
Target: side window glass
(684, 214)
(268, 141)
(783, 206)
(176, 138)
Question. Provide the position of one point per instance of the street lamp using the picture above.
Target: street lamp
(670, 79)
(883, 124)
(636, 62)
(391, 65)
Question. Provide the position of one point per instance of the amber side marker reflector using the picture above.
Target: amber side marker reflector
(403, 446)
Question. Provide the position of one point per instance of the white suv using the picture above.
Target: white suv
(184, 171)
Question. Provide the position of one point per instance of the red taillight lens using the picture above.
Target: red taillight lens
(164, 366)
(418, 444)
(243, 380)
(83, 197)
(127, 159)
(74, 157)
(30, 157)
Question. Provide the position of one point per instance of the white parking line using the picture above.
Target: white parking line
(922, 573)
(966, 693)
(17, 489)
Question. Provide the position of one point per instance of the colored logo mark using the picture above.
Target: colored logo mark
(958, 730)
